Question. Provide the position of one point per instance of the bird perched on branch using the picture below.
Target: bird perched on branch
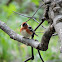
(26, 30)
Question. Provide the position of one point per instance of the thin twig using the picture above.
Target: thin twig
(55, 34)
(36, 11)
(33, 15)
(29, 18)
(35, 30)
(40, 56)
(31, 58)
(26, 16)
(22, 14)
(35, 20)
(28, 59)
(39, 32)
(39, 24)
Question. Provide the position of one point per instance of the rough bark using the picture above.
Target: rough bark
(55, 16)
(46, 38)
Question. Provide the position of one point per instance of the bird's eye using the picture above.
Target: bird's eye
(24, 24)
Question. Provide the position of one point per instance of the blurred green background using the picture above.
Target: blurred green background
(13, 51)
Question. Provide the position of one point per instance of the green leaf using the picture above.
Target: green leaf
(36, 2)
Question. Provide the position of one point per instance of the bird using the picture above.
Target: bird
(26, 30)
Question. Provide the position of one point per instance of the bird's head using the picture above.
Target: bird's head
(24, 24)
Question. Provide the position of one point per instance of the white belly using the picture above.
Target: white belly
(25, 34)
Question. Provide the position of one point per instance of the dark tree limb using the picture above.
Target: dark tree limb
(55, 14)
(46, 38)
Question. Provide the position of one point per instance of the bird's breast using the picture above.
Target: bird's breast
(25, 34)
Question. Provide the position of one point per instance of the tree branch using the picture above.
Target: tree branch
(58, 27)
(30, 42)
(46, 37)
(18, 37)
(55, 15)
